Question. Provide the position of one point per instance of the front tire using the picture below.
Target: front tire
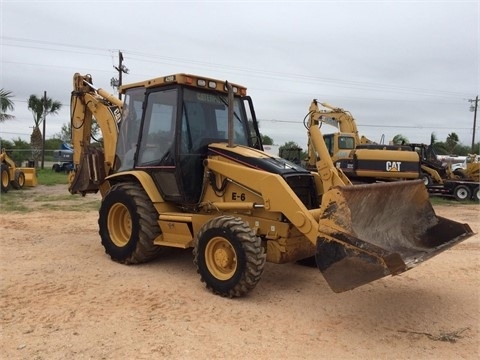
(229, 256)
(128, 224)
(427, 180)
(5, 177)
(19, 181)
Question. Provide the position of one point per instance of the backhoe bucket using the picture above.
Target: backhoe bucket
(370, 231)
(89, 173)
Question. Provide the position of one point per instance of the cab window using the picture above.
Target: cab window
(129, 128)
(346, 142)
(158, 127)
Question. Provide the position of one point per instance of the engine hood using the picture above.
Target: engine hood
(256, 159)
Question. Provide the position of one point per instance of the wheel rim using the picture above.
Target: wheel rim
(462, 194)
(119, 224)
(21, 180)
(5, 178)
(425, 180)
(477, 193)
(220, 258)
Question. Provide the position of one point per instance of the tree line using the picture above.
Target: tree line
(290, 150)
(43, 106)
(40, 108)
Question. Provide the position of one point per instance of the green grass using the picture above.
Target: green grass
(49, 177)
(25, 201)
(15, 203)
(440, 200)
(14, 200)
(76, 205)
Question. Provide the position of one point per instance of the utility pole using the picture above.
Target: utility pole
(474, 109)
(121, 69)
(44, 121)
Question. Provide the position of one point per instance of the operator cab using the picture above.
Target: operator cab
(166, 129)
(339, 145)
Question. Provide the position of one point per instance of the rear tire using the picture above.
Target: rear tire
(460, 173)
(19, 181)
(229, 256)
(5, 177)
(477, 194)
(427, 180)
(462, 193)
(128, 224)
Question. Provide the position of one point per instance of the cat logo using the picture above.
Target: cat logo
(393, 165)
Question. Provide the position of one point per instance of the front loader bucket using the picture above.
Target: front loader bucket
(370, 231)
(30, 176)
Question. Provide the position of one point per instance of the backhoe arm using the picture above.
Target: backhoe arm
(88, 103)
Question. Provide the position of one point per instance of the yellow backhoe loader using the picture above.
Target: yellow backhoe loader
(439, 178)
(183, 166)
(472, 169)
(359, 158)
(13, 176)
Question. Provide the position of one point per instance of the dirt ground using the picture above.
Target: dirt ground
(63, 298)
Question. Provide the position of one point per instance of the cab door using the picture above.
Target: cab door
(156, 148)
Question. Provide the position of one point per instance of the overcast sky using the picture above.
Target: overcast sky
(400, 67)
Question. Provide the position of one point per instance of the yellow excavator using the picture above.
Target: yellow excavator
(359, 158)
(13, 176)
(182, 165)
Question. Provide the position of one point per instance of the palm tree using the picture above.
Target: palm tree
(451, 142)
(6, 104)
(399, 139)
(39, 108)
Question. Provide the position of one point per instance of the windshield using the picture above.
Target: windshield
(346, 142)
(205, 119)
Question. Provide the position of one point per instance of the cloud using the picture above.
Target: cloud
(398, 66)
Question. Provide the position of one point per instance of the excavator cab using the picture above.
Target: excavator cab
(169, 139)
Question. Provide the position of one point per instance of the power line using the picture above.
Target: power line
(304, 78)
(37, 42)
(14, 133)
(375, 125)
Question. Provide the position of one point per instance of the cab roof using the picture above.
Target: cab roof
(189, 80)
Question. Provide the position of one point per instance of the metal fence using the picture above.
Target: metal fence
(24, 158)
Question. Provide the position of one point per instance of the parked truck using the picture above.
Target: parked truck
(439, 178)
(63, 159)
